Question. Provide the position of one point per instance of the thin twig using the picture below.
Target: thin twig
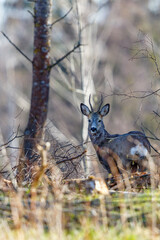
(31, 13)
(155, 137)
(74, 169)
(145, 51)
(156, 113)
(14, 137)
(17, 48)
(127, 95)
(154, 149)
(59, 19)
(154, 59)
(70, 159)
(66, 55)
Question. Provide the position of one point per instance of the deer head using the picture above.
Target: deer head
(95, 119)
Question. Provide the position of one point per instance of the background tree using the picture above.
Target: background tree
(40, 86)
(41, 67)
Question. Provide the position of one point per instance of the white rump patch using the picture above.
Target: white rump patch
(139, 150)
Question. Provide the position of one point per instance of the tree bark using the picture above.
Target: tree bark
(34, 131)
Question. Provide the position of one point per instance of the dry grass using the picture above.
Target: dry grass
(87, 232)
(83, 209)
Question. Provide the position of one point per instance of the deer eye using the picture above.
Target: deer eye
(99, 120)
(89, 120)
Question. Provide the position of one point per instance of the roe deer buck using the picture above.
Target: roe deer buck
(128, 148)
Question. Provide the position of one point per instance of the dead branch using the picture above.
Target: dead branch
(153, 57)
(154, 150)
(65, 56)
(154, 136)
(132, 94)
(70, 159)
(59, 19)
(52, 65)
(156, 113)
(30, 13)
(12, 139)
(17, 48)
(147, 51)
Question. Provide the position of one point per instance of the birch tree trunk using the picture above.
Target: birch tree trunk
(86, 62)
(40, 86)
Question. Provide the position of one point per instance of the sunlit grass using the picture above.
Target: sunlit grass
(79, 216)
(87, 231)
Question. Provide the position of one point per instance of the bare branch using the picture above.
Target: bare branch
(154, 149)
(73, 158)
(146, 50)
(65, 56)
(17, 48)
(30, 13)
(59, 19)
(156, 113)
(154, 58)
(154, 136)
(133, 94)
(11, 140)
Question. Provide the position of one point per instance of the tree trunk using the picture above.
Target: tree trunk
(40, 86)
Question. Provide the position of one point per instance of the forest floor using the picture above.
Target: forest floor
(81, 209)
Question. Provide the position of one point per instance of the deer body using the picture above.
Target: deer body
(128, 147)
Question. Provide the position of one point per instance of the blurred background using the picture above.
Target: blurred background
(119, 58)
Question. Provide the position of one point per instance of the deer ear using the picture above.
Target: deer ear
(105, 110)
(84, 109)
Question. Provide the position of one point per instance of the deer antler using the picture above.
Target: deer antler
(101, 102)
(90, 103)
